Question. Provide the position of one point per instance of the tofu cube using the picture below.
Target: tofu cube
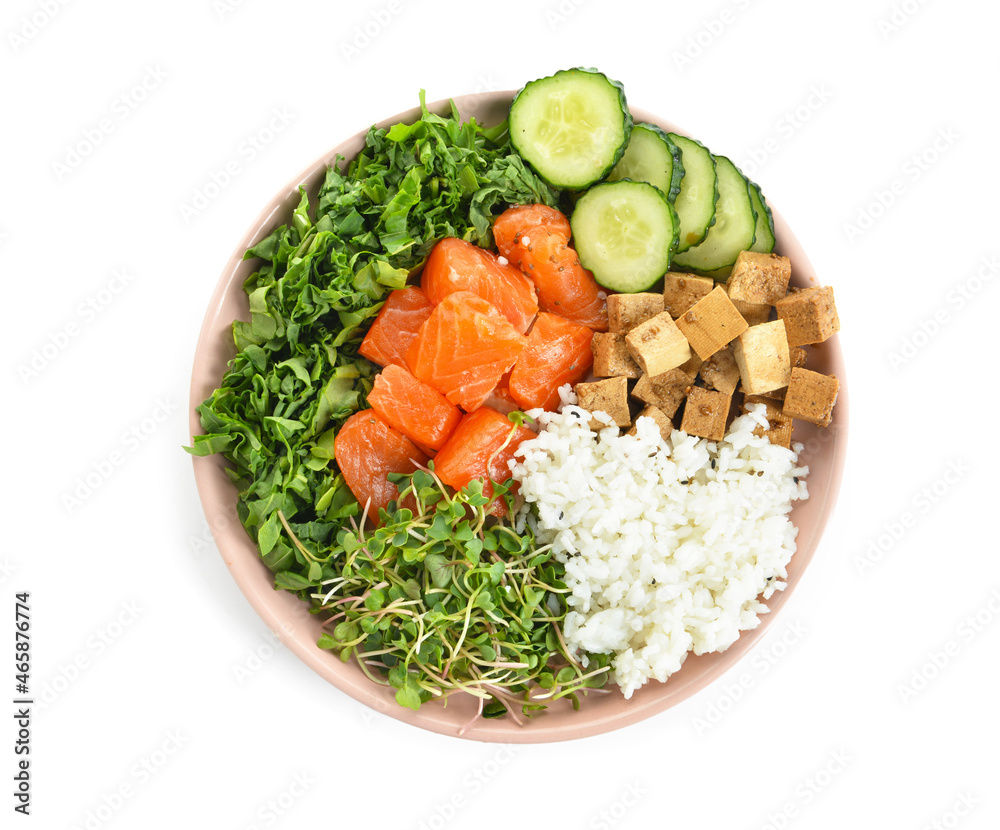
(626, 311)
(759, 278)
(705, 413)
(711, 323)
(720, 371)
(611, 357)
(666, 392)
(811, 397)
(810, 315)
(661, 419)
(779, 426)
(681, 291)
(761, 352)
(658, 345)
(753, 313)
(610, 396)
(796, 357)
(691, 366)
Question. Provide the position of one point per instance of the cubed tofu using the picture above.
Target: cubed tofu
(658, 345)
(665, 392)
(661, 419)
(610, 396)
(720, 371)
(796, 357)
(681, 291)
(761, 352)
(779, 426)
(759, 278)
(811, 397)
(626, 311)
(753, 313)
(691, 365)
(810, 315)
(705, 413)
(711, 323)
(611, 357)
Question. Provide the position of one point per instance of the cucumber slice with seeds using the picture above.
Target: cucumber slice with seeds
(651, 157)
(698, 194)
(571, 127)
(625, 233)
(734, 228)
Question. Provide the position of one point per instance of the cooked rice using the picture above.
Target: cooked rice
(669, 546)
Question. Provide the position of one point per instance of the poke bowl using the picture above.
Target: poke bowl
(823, 451)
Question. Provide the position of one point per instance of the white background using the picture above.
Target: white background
(872, 126)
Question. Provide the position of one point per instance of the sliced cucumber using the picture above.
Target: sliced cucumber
(763, 242)
(734, 228)
(651, 157)
(625, 233)
(699, 191)
(571, 127)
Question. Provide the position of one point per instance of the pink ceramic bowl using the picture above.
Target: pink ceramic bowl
(286, 615)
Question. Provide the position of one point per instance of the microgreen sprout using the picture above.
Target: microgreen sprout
(444, 597)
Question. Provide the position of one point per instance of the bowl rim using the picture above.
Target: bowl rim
(255, 581)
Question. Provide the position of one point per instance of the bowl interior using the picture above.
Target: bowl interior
(287, 616)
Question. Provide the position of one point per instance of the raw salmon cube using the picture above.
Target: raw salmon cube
(513, 223)
(396, 327)
(558, 352)
(464, 348)
(366, 450)
(481, 447)
(536, 238)
(417, 410)
(457, 265)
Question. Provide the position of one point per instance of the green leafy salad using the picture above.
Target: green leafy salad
(441, 597)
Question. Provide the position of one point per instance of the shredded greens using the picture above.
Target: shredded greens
(297, 377)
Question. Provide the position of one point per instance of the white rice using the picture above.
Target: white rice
(666, 552)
